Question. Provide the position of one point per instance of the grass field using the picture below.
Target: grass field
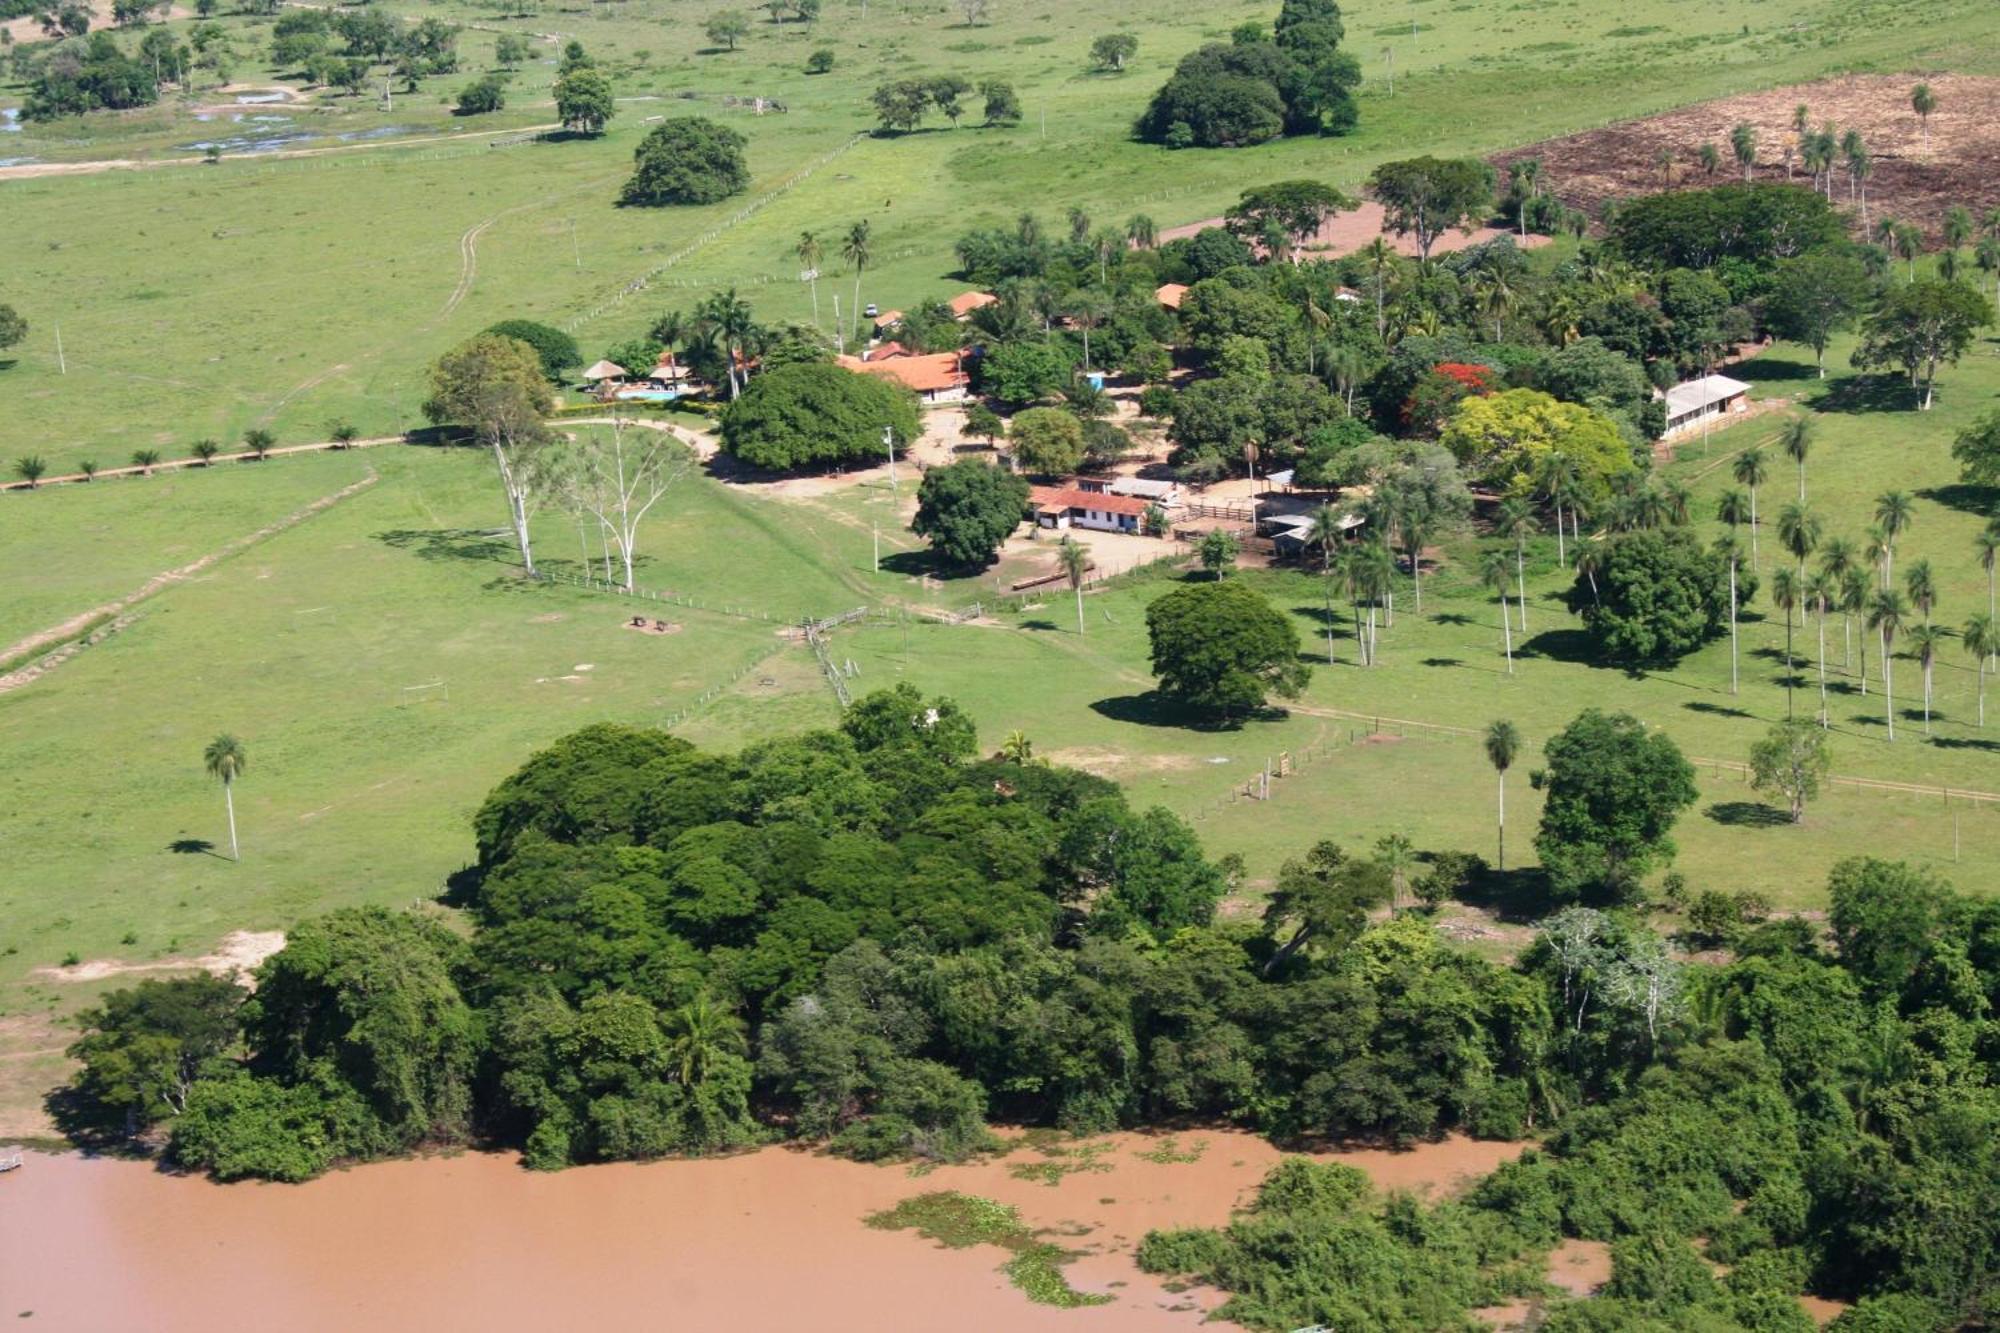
(197, 301)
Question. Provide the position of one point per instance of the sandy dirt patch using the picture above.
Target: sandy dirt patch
(28, 30)
(1347, 232)
(1580, 1267)
(1910, 181)
(238, 954)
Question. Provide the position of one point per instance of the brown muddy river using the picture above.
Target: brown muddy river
(765, 1241)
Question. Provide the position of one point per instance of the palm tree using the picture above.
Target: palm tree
(1378, 256)
(699, 1034)
(1710, 158)
(1986, 254)
(1141, 232)
(1854, 594)
(1921, 584)
(1558, 481)
(1494, 573)
(1982, 640)
(1495, 296)
(1516, 520)
(31, 469)
(1785, 594)
(1395, 854)
(1821, 590)
(224, 758)
(1590, 559)
(1750, 470)
(1374, 575)
(1925, 640)
(1075, 562)
(730, 316)
(1326, 533)
(1743, 143)
(206, 450)
(1923, 101)
(1795, 436)
(1502, 744)
(1731, 550)
(1885, 617)
(1836, 561)
(809, 253)
(145, 460)
(1893, 512)
(855, 250)
(88, 467)
(1988, 545)
(1799, 531)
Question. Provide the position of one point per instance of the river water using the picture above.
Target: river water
(763, 1241)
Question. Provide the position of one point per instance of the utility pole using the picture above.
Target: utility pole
(839, 331)
(889, 444)
(575, 250)
(875, 530)
(62, 366)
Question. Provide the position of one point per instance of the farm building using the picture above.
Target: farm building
(1170, 294)
(1061, 507)
(965, 303)
(1704, 401)
(1165, 493)
(937, 378)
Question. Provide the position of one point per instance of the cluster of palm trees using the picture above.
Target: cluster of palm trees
(1857, 580)
(857, 247)
(722, 327)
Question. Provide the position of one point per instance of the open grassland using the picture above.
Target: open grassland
(285, 294)
(385, 665)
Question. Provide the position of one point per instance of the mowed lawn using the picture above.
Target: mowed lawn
(287, 294)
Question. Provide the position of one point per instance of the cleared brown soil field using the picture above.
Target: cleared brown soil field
(1909, 181)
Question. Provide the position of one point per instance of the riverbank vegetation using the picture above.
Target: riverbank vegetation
(875, 939)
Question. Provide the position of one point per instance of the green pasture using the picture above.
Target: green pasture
(201, 301)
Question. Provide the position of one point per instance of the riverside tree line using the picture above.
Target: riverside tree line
(875, 939)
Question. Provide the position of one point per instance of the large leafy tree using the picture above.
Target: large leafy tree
(557, 350)
(496, 387)
(1922, 327)
(967, 509)
(1816, 296)
(1046, 441)
(142, 1049)
(1221, 648)
(1508, 440)
(1654, 596)
(1295, 210)
(814, 415)
(1760, 224)
(584, 101)
(1428, 196)
(687, 160)
(1611, 793)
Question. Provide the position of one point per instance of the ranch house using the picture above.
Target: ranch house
(939, 378)
(1705, 401)
(1060, 507)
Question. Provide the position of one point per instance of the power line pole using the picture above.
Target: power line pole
(889, 443)
(62, 366)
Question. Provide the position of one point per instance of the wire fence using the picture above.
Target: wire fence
(667, 596)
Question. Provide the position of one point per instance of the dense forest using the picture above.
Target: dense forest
(875, 939)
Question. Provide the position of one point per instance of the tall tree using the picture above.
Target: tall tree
(1821, 591)
(728, 317)
(1814, 297)
(1786, 594)
(226, 760)
(1326, 533)
(809, 253)
(1923, 101)
(1924, 641)
(1922, 327)
(1920, 582)
(1743, 143)
(1074, 560)
(495, 386)
(1885, 616)
(1792, 761)
(1427, 196)
(1517, 521)
(1750, 470)
(857, 249)
(1494, 572)
(619, 479)
(1894, 511)
(1502, 743)
(1982, 640)
(1837, 561)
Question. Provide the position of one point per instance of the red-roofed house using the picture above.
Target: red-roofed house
(938, 378)
(1067, 507)
(1170, 295)
(965, 303)
(888, 319)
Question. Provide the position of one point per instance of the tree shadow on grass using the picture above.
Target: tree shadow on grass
(1747, 814)
(925, 563)
(1765, 370)
(1154, 709)
(1040, 624)
(1868, 393)
(1964, 743)
(1441, 662)
(1716, 710)
(194, 847)
(1980, 500)
(449, 543)
(1516, 896)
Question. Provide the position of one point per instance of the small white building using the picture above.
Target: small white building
(1705, 401)
(1165, 493)
(1060, 507)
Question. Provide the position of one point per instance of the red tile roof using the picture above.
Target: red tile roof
(924, 374)
(966, 302)
(1068, 497)
(1170, 295)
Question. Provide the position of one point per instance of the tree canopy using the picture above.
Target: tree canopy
(968, 508)
(1611, 793)
(1507, 441)
(1655, 596)
(1425, 197)
(687, 160)
(1222, 648)
(557, 350)
(1229, 95)
(809, 415)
